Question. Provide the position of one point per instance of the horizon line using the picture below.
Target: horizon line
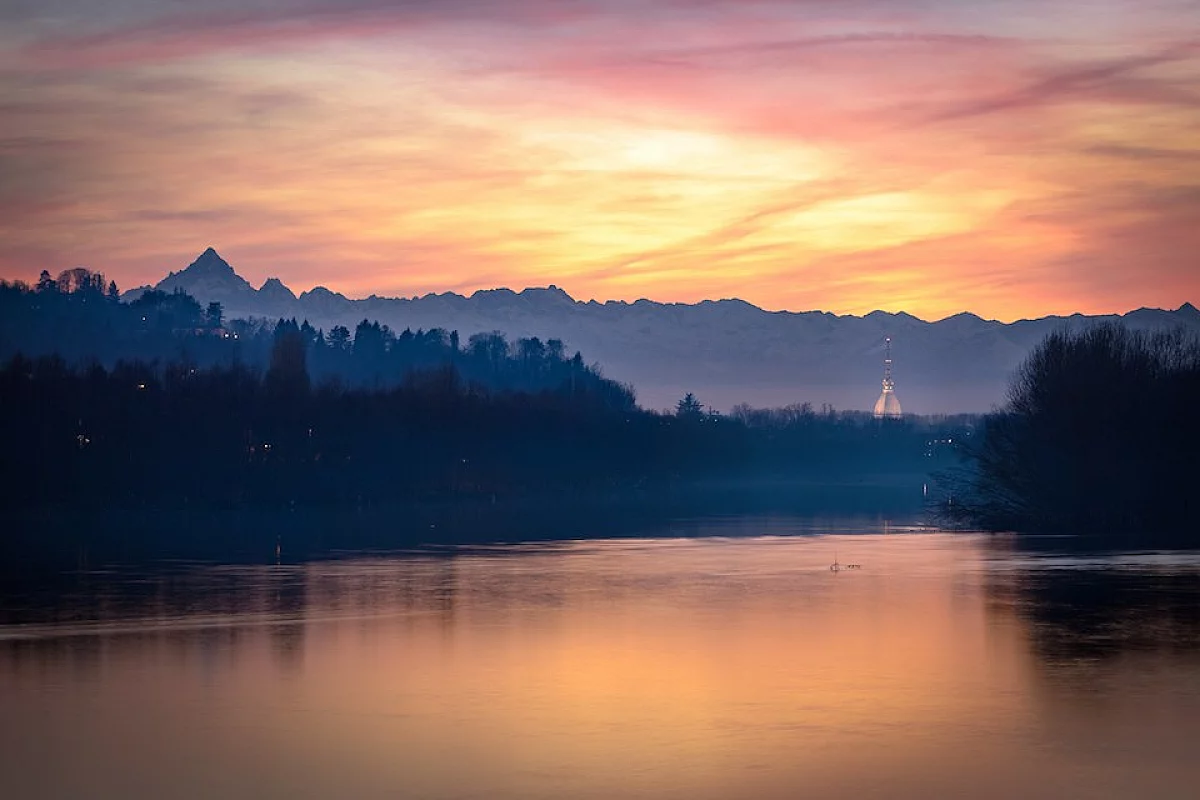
(595, 301)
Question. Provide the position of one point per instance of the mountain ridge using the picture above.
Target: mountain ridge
(726, 351)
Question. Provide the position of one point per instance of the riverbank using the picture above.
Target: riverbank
(254, 534)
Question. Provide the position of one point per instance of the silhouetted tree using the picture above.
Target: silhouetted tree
(339, 338)
(488, 348)
(288, 372)
(80, 279)
(214, 316)
(689, 407)
(1099, 436)
(369, 341)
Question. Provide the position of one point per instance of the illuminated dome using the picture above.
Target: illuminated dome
(888, 405)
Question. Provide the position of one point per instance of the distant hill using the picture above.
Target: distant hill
(726, 351)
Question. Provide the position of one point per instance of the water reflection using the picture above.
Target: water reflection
(1085, 615)
(1114, 645)
(717, 667)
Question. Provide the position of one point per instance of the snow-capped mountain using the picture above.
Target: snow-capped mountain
(725, 351)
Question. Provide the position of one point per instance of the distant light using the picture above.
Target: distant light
(141, 386)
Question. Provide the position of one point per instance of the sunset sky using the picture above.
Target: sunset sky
(1013, 158)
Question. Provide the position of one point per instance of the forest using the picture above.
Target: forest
(81, 319)
(160, 403)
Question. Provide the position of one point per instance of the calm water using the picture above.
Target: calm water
(728, 667)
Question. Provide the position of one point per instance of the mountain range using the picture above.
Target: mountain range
(725, 351)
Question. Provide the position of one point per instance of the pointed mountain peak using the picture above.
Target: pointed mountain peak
(210, 262)
(1187, 308)
(209, 276)
(274, 289)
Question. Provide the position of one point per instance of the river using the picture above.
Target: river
(716, 659)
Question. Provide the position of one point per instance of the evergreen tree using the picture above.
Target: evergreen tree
(689, 407)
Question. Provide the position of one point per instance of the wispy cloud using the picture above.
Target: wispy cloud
(1104, 79)
(924, 154)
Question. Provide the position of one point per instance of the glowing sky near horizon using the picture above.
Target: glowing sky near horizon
(1012, 158)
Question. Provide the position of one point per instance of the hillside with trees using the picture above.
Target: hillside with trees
(81, 319)
(162, 403)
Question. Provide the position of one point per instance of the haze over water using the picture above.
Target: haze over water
(731, 666)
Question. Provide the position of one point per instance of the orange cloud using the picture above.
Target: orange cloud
(844, 156)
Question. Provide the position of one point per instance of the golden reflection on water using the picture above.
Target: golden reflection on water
(703, 668)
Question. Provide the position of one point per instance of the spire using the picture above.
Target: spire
(888, 384)
(888, 405)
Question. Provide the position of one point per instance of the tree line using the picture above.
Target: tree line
(162, 403)
(178, 436)
(1099, 437)
(81, 318)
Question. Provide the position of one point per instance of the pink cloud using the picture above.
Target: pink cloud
(119, 144)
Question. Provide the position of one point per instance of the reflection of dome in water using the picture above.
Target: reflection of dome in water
(888, 405)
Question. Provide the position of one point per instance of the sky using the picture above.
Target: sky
(1013, 158)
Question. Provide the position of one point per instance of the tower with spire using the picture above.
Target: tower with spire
(888, 405)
